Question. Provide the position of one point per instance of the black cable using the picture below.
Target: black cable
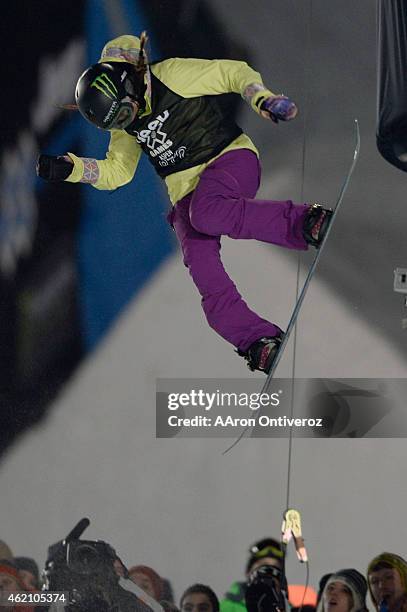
(307, 64)
(306, 586)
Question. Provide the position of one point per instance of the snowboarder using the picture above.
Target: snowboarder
(169, 111)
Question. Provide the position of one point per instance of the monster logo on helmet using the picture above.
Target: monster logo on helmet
(105, 85)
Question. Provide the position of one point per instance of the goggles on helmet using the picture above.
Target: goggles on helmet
(267, 551)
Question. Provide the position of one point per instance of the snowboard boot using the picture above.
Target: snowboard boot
(316, 223)
(261, 354)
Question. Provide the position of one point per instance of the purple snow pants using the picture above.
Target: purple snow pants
(223, 204)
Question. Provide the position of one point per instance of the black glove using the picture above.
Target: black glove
(52, 168)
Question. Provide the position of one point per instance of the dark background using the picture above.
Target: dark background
(43, 324)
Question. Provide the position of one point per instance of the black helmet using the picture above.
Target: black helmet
(105, 92)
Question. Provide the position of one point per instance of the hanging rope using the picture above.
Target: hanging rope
(307, 64)
(299, 543)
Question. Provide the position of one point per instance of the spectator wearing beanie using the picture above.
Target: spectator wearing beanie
(344, 591)
(387, 578)
(29, 573)
(199, 598)
(10, 583)
(148, 580)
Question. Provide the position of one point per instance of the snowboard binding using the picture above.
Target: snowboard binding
(261, 354)
(316, 223)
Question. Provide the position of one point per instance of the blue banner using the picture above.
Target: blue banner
(123, 236)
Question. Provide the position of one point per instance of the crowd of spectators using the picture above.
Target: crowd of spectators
(264, 587)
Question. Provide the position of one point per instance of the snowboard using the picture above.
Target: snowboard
(317, 257)
(311, 272)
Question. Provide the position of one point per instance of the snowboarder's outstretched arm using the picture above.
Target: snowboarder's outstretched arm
(116, 170)
(191, 78)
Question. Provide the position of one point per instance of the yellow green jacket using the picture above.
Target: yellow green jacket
(189, 78)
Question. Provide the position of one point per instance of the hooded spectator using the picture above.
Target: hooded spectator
(344, 591)
(387, 577)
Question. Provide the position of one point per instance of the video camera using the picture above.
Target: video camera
(264, 591)
(84, 570)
